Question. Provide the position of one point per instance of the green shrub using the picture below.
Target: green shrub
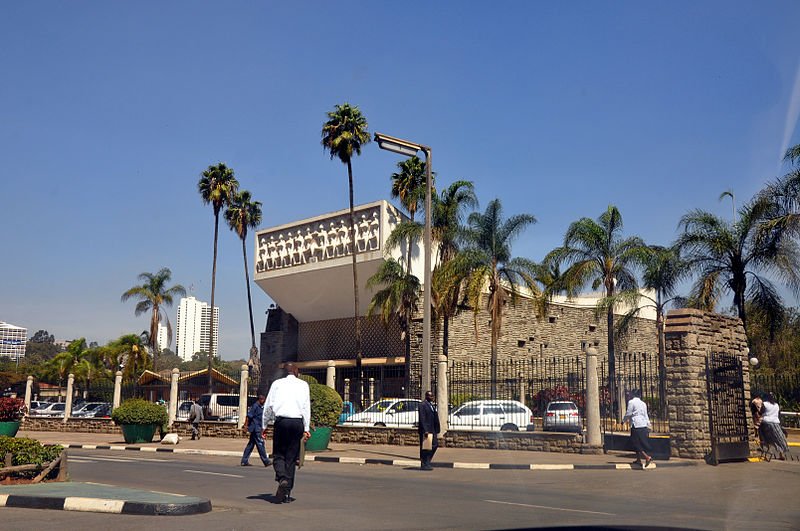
(326, 405)
(11, 409)
(27, 452)
(308, 379)
(138, 411)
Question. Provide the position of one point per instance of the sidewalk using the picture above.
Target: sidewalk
(473, 458)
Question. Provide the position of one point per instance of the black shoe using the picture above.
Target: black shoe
(246, 464)
(426, 467)
(268, 463)
(283, 491)
(288, 498)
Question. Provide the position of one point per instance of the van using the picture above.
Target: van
(216, 405)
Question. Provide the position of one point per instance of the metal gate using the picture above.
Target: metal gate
(726, 408)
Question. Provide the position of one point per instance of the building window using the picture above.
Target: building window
(592, 328)
(551, 319)
(521, 343)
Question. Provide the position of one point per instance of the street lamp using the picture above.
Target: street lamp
(410, 149)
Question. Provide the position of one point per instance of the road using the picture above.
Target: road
(331, 496)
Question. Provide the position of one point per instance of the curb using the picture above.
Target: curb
(103, 505)
(390, 462)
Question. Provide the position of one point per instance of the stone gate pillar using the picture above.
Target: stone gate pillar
(690, 336)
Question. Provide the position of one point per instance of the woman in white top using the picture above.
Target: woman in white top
(636, 413)
(771, 431)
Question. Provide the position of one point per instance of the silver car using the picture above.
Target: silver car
(562, 415)
(491, 415)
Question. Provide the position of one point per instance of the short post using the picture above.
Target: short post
(330, 374)
(117, 390)
(522, 389)
(173, 395)
(28, 390)
(68, 407)
(242, 396)
(442, 397)
(593, 437)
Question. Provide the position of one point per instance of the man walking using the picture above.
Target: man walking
(253, 424)
(428, 432)
(195, 417)
(289, 402)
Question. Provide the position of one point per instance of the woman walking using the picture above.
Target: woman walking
(636, 413)
(771, 432)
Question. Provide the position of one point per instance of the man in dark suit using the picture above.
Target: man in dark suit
(428, 432)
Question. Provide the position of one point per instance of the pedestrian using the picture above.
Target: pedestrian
(771, 431)
(195, 417)
(289, 403)
(428, 432)
(253, 424)
(640, 427)
(756, 409)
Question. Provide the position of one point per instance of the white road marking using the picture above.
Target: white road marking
(549, 508)
(81, 460)
(110, 459)
(214, 473)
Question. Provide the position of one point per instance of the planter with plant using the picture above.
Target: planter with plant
(11, 412)
(139, 419)
(326, 405)
(26, 460)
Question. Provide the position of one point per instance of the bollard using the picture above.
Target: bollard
(117, 390)
(173, 396)
(68, 407)
(593, 437)
(28, 389)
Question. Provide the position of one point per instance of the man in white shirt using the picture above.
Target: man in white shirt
(289, 403)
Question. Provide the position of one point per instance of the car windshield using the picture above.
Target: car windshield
(561, 406)
(381, 406)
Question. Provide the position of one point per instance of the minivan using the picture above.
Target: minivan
(216, 405)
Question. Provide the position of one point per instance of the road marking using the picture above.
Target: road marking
(81, 460)
(214, 473)
(549, 508)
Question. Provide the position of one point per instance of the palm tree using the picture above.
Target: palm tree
(243, 214)
(90, 368)
(734, 257)
(64, 362)
(783, 196)
(132, 353)
(343, 135)
(153, 295)
(409, 186)
(489, 239)
(397, 298)
(596, 253)
(217, 186)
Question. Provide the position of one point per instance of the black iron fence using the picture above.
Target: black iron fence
(634, 371)
(786, 390)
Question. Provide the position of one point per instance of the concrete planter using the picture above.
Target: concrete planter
(138, 433)
(9, 428)
(320, 437)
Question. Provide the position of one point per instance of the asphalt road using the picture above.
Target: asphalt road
(342, 496)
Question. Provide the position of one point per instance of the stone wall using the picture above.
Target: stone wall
(690, 336)
(76, 425)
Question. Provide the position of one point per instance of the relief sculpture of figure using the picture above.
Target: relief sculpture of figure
(310, 245)
(272, 252)
(363, 233)
(322, 243)
(299, 256)
(344, 238)
(280, 250)
(333, 241)
(374, 226)
(261, 265)
(287, 255)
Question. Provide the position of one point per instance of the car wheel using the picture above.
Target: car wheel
(509, 427)
(380, 424)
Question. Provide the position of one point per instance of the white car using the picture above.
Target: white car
(491, 415)
(87, 409)
(56, 409)
(183, 410)
(390, 412)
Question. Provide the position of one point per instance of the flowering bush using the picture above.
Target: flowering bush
(11, 409)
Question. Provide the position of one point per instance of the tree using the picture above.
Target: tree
(131, 355)
(783, 197)
(217, 186)
(42, 336)
(596, 254)
(167, 360)
(242, 214)
(343, 135)
(489, 260)
(89, 368)
(64, 362)
(725, 255)
(397, 298)
(153, 295)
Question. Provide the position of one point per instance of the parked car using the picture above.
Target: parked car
(87, 409)
(36, 404)
(562, 415)
(102, 412)
(491, 415)
(347, 409)
(183, 410)
(217, 405)
(56, 409)
(394, 412)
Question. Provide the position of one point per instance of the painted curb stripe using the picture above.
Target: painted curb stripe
(477, 466)
(405, 462)
(34, 502)
(373, 461)
(3, 498)
(353, 460)
(508, 466)
(552, 467)
(93, 505)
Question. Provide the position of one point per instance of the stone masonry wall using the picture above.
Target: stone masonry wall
(690, 336)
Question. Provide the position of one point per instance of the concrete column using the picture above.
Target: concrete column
(243, 396)
(68, 407)
(442, 397)
(117, 390)
(173, 395)
(28, 390)
(522, 389)
(593, 436)
(330, 375)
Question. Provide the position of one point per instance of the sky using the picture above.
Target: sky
(109, 112)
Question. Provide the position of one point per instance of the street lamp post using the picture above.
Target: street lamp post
(410, 149)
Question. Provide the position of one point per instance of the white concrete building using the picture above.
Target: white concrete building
(194, 326)
(12, 340)
(162, 338)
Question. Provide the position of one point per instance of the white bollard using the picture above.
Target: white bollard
(173, 395)
(242, 397)
(28, 390)
(330, 374)
(117, 390)
(68, 407)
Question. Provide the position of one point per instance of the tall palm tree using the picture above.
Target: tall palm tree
(596, 253)
(242, 214)
(64, 362)
(217, 186)
(409, 185)
(489, 239)
(735, 256)
(153, 294)
(131, 351)
(343, 135)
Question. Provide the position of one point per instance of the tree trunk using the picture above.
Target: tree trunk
(357, 319)
(249, 298)
(211, 323)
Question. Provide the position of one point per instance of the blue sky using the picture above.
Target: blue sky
(109, 111)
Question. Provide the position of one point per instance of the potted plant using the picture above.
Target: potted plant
(139, 419)
(326, 406)
(11, 411)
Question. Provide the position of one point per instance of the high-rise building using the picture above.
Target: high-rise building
(194, 327)
(12, 340)
(162, 338)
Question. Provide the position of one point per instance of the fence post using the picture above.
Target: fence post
(28, 390)
(117, 390)
(593, 437)
(442, 397)
(521, 387)
(347, 388)
(330, 374)
(173, 396)
(371, 391)
(242, 397)
(68, 407)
